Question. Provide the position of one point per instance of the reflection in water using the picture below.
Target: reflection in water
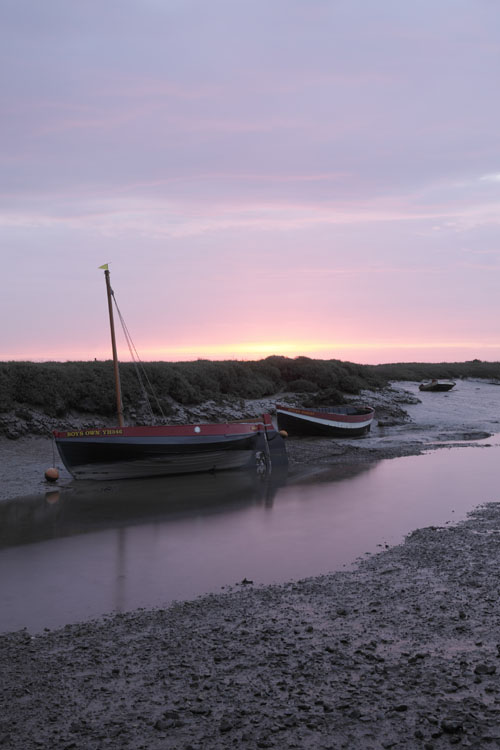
(328, 474)
(52, 497)
(120, 574)
(92, 506)
(102, 547)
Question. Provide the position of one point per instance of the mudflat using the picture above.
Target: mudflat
(402, 652)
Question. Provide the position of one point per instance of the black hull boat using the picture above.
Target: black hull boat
(328, 421)
(437, 385)
(133, 452)
(161, 450)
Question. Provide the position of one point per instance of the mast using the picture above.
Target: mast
(119, 403)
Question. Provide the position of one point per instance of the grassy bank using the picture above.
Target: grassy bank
(57, 388)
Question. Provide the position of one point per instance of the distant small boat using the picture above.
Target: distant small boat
(329, 421)
(437, 385)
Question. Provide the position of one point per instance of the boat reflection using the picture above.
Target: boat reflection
(86, 506)
(319, 474)
(82, 507)
(89, 548)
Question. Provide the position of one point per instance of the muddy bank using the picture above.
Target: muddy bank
(24, 421)
(401, 653)
(405, 424)
(27, 447)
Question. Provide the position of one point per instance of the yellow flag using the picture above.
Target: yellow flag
(105, 266)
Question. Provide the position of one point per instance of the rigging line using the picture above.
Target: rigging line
(138, 363)
(135, 363)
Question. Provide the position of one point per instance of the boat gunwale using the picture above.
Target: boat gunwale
(215, 429)
(362, 414)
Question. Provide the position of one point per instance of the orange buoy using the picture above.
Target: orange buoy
(51, 475)
(283, 433)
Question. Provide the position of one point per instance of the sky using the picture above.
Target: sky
(298, 177)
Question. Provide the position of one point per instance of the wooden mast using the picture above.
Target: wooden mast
(119, 403)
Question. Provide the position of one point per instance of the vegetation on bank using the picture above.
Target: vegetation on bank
(57, 388)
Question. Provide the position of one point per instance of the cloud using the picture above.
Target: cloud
(491, 177)
(316, 152)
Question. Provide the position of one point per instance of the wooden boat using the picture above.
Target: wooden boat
(127, 452)
(329, 421)
(437, 385)
(146, 451)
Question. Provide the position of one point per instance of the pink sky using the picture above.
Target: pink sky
(315, 178)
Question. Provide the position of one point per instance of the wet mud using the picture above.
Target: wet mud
(402, 652)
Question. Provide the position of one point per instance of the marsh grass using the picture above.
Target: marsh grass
(57, 388)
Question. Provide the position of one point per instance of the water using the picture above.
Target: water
(92, 548)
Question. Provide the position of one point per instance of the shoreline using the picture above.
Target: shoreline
(29, 457)
(403, 426)
(401, 652)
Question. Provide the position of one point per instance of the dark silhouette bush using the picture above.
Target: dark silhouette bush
(302, 386)
(350, 383)
(328, 397)
(60, 387)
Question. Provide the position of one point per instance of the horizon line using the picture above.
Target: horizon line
(38, 360)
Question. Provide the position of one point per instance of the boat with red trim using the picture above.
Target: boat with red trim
(160, 450)
(327, 421)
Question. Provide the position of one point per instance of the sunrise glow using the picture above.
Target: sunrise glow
(302, 201)
(365, 350)
(362, 352)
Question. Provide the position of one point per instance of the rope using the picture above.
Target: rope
(138, 365)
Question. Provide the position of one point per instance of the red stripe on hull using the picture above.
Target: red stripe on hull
(181, 430)
(361, 415)
(123, 452)
(327, 424)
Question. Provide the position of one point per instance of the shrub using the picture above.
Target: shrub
(328, 397)
(302, 386)
(59, 387)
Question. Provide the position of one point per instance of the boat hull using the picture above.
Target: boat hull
(436, 386)
(328, 422)
(134, 452)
